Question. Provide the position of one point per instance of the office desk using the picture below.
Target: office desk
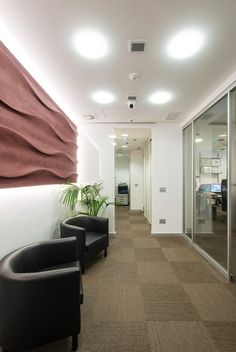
(207, 204)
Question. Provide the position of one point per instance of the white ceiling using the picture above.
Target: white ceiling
(137, 137)
(45, 30)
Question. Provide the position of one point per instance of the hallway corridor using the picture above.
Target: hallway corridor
(153, 294)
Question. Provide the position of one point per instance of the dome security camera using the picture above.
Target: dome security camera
(131, 104)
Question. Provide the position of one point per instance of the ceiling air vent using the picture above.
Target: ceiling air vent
(137, 46)
(172, 116)
(131, 97)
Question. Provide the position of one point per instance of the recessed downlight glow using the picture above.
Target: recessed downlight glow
(161, 97)
(222, 135)
(198, 140)
(90, 44)
(124, 146)
(113, 143)
(185, 44)
(103, 97)
(124, 135)
(113, 136)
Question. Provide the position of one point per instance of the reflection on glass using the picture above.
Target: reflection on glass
(210, 213)
(233, 179)
(188, 198)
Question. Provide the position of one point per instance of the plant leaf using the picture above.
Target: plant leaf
(69, 195)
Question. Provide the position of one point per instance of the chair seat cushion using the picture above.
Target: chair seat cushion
(95, 241)
(62, 266)
(68, 265)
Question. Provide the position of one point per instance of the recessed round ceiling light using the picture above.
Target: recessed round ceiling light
(133, 76)
(90, 44)
(161, 97)
(113, 136)
(185, 44)
(124, 135)
(103, 97)
(198, 140)
(124, 146)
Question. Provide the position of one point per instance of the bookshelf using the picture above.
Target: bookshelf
(210, 166)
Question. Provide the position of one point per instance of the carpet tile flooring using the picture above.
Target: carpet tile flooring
(153, 294)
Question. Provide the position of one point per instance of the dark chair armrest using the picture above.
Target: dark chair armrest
(49, 296)
(68, 230)
(90, 223)
(58, 251)
(101, 225)
(37, 256)
(73, 231)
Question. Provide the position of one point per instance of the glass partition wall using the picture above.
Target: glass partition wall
(205, 182)
(232, 189)
(210, 166)
(188, 191)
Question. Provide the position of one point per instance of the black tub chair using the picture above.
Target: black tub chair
(40, 295)
(91, 233)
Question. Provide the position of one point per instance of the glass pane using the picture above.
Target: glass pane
(188, 199)
(210, 210)
(233, 178)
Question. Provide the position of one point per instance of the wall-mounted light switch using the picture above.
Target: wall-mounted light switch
(162, 189)
(162, 221)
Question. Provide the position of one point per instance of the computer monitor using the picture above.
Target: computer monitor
(205, 187)
(216, 187)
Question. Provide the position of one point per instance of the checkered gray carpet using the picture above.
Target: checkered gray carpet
(153, 294)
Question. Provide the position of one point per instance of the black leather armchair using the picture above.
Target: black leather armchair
(91, 233)
(40, 295)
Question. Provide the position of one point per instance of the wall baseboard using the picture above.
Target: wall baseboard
(167, 234)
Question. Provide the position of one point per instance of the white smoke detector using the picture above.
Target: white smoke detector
(133, 76)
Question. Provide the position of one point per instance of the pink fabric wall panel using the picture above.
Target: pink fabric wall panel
(37, 140)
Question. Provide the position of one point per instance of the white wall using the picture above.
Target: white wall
(100, 152)
(147, 181)
(167, 172)
(29, 214)
(122, 170)
(166, 160)
(136, 179)
(32, 214)
(88, 159)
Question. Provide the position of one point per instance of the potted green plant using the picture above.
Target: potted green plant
(89, 197)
